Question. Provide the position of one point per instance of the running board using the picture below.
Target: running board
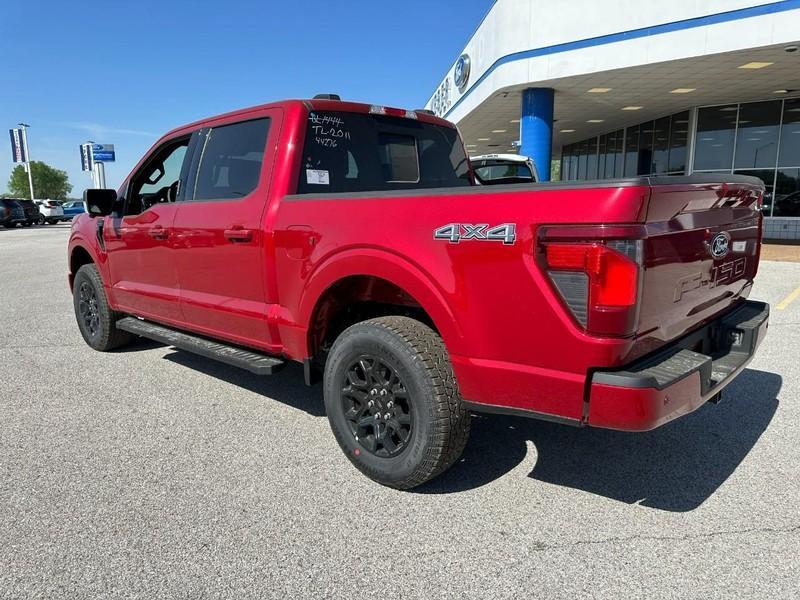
(255, 362)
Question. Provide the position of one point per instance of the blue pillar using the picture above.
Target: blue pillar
(536, 128)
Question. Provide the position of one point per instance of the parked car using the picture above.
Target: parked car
(497, 169)
(11, 213)
(50, 211)
(31, 211)
(350, 238)
(73, 208)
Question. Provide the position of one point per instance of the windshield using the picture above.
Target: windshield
(515, 171)
(351, 152)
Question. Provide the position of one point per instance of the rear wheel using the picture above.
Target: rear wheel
(41, 220)
(393, 403)
(96, 321)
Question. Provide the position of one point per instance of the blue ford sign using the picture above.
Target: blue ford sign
(103, 152)
(461, 72)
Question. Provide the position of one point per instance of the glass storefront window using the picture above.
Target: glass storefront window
(716, 126)
(601, 155)
(591, 160)
(768, 177)
(614, 161)
(660, 146)
(789, 155)
(787, 193)
(619, 161)
(573, 163)
(678, 138)
(757, 138)
(645, 148)
(582, 156)
(632, 151)
(566, 159)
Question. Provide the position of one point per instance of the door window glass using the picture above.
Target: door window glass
(230, 163)
(159, 180)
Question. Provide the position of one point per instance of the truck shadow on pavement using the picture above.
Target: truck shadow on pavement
(674, 468)
(286, 387)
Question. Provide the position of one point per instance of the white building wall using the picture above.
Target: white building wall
(513, 26)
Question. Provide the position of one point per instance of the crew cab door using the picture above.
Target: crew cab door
(220, 244)
(138, 240)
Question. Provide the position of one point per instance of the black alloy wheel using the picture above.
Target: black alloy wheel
(376, 406)
(87, 309)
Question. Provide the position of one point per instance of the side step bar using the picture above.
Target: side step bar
(255, 362)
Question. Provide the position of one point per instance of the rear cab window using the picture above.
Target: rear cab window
(500, 171)
(353, 152)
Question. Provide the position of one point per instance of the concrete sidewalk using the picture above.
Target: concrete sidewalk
(781, 252)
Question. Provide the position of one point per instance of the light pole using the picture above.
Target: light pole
(27, 155)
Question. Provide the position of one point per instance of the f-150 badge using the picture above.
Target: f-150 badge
(457, 232)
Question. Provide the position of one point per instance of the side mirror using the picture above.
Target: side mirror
(99, 202)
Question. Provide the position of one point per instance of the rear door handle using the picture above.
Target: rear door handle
(237, 234)
(158, 233)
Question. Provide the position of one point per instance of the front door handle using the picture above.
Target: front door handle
(237, 234)
(158, 233)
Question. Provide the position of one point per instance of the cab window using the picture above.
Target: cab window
(353, 152)
(159, 180)
(230, 163)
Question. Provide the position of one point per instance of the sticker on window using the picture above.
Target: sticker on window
(317, 177)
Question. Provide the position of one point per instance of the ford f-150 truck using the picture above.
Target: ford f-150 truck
(351, 238)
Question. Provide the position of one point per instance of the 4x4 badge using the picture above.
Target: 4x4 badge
(455, 232)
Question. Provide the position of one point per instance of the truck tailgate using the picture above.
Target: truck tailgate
(701, 253)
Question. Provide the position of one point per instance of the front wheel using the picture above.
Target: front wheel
(96, 321)
(393, 403)
(41, 220)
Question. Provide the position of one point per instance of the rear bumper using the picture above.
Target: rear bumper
(681, 377)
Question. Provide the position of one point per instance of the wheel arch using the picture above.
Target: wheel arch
(376, 277)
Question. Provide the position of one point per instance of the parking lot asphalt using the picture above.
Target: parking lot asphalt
(151, 473)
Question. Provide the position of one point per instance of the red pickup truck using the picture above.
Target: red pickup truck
(351, 238)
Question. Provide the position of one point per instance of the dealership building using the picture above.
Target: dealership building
(617, 88)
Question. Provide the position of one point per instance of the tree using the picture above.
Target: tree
(47, 182)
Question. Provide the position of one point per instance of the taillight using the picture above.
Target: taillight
(597, 278)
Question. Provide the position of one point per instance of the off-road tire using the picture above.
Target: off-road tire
(106, 337)
(440, 423)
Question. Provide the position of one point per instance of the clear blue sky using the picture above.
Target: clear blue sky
(126, 72)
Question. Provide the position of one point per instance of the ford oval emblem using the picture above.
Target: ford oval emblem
(719, 245)
(461, 72)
